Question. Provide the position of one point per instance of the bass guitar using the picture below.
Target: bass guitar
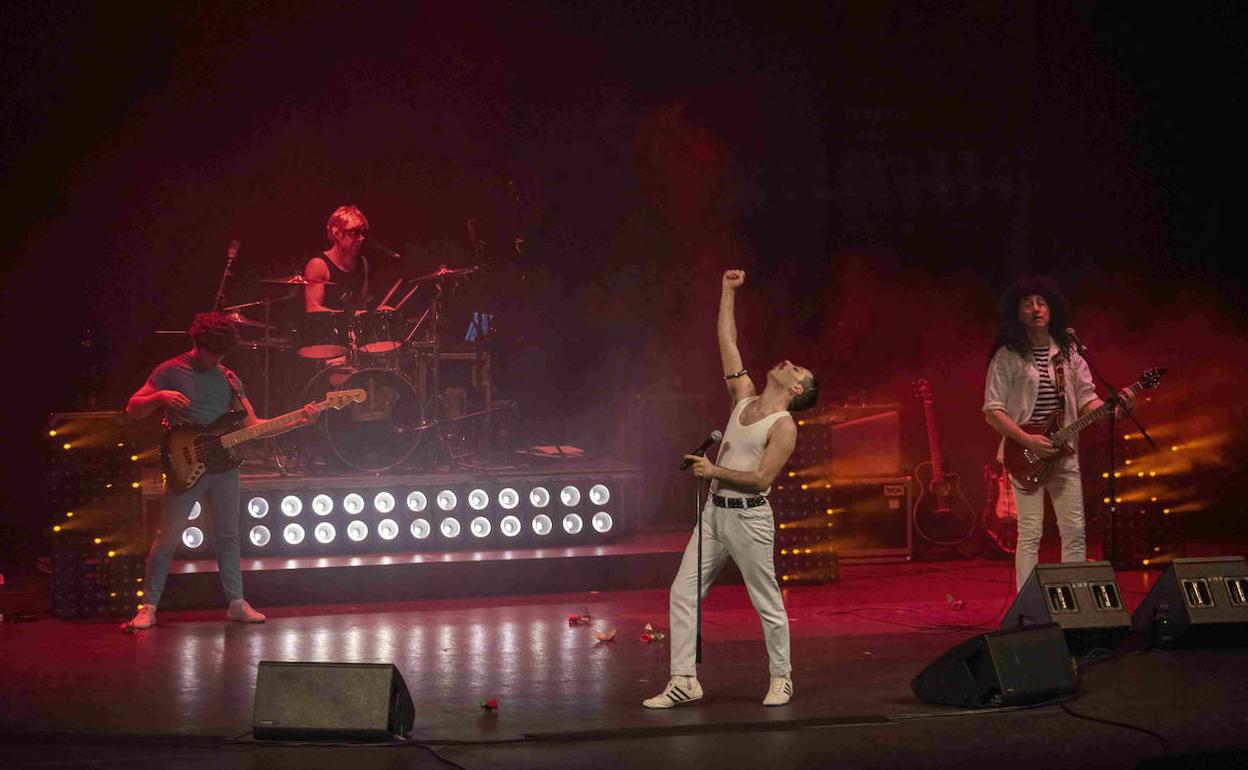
(942, 515)
(1029, 470)
(190, 451)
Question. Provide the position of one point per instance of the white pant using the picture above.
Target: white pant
(1066, 491)
(748, 535)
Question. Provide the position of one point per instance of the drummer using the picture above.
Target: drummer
(341, 265)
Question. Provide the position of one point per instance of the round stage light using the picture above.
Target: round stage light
(259, 536)
(417, 502)
(293, 534)
(322, 505)
(325, 532)
(480, 526)
(353, 504)
(357, 531)
(542, 524)
(449, 527)
(570, 496)
(196, 509)
(602, 522)
(478, 499)
(447, 500)
(388, 529)
(291, 505)
(599, 494)
(192, 537)
(383, 502)
(508, 498)
(539, 497)
(421, 529)
(510, 526)
(258, 507)
(572, 524)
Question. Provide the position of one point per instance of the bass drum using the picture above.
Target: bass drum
(379, 433)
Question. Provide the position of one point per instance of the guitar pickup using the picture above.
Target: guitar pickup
(1062, 599)
(1106, 597)
(1196, 592)
(1238, 589)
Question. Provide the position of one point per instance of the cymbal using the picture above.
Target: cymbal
(297, 279)
(447, 272)
(242, 320)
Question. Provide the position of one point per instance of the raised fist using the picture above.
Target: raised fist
(733, 278)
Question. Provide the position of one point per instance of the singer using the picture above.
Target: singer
(342, 265)
(1035, 370)
(737, 519)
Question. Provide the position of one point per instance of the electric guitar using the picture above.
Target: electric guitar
(942, 514)
(1000, 520)
(1029, 470)
(190, 451)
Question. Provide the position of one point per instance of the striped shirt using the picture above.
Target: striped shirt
(1047, 398)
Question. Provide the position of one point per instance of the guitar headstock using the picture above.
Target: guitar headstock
(922, 389)
(1152, 378)
(337, 399)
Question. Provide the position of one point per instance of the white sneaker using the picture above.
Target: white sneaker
(780, 692)
(145, 617)
(243, 612)
(679, 690)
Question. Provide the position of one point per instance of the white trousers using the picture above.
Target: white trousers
(748, 535)
(1066, 491)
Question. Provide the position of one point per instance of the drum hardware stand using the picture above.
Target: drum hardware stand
(231, 253)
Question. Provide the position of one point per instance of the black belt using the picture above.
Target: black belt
(738, 502)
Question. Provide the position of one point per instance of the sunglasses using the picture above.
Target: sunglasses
(356, 232)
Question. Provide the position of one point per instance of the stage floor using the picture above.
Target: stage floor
(180, 690)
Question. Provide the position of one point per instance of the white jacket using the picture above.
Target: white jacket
(1013, 384)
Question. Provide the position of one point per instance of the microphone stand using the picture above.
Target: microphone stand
(1115, 399)
(697, 502)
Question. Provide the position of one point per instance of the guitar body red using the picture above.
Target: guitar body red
(1029, 470)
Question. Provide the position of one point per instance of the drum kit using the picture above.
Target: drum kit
(398, 362)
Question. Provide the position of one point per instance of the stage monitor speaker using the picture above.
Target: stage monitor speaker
(331, 701)
(1082, 597)
(1197, 603)
(1003, 668)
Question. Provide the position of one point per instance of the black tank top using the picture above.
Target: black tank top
(349, 291)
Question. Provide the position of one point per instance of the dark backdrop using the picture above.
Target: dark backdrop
(880, 169)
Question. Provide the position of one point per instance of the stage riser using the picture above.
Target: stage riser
(459, 579)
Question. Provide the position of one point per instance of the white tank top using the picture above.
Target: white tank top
(742, 446)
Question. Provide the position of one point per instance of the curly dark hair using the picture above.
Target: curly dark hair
(214, 332)
(1011, 334)
(807, 398)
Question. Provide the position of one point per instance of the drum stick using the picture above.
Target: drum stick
(406, 296)
(386, 298)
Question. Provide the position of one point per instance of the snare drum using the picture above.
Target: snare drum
(322, 336)
(378, 331)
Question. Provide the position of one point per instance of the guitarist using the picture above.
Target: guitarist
(1033, 373)
(195, 389)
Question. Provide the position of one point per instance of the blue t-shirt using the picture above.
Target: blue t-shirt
(208, 390)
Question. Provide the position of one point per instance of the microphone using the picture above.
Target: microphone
(232, 251)
(701, 450)
(384, 249)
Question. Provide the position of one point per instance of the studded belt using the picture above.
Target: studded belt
(738, 502)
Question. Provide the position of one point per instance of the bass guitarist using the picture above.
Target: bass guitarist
(1034, 373)
(195, 389)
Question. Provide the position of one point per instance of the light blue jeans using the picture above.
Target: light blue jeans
(218, 495)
